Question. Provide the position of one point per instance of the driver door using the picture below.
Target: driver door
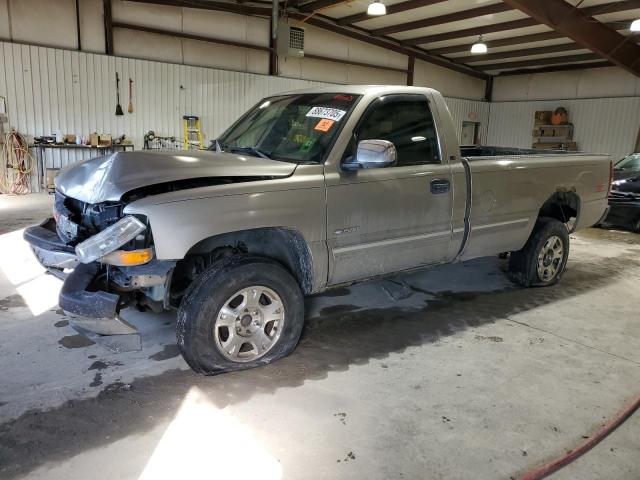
(383, 220)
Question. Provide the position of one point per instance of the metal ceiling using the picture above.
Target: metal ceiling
(529, 35)
(521, 35)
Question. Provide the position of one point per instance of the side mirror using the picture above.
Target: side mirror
(372, 154)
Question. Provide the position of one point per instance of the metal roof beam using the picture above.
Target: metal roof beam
(319, 5)
(585, 30)
(387, 43)
(602, 9)
(507, 42)
(391, 9)
(555, 68)
(564, 47)
(539, 61)
(326, 23)
(442, 19)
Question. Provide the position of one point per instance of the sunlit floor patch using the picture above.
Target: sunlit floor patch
(20, 269)
(203, 441)
(41, 293)
(17, 262)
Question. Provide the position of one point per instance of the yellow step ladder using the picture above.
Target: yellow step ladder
(192, 134)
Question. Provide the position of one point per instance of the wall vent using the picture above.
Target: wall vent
(290, 40)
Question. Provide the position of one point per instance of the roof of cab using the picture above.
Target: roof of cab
(364, 89)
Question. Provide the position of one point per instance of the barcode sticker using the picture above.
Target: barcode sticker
(326, 112)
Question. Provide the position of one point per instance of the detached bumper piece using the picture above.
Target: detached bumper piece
(96, 312)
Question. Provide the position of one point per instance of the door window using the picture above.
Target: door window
(404, 120)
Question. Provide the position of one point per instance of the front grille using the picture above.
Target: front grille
(620, 197)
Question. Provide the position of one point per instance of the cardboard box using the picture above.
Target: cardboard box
(542, 117)
(105, 141)
(94, 139)
(70, 138)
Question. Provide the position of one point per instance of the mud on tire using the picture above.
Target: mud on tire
(200, 309)
(527, 266)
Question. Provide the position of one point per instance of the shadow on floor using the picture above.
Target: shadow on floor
(336, 340)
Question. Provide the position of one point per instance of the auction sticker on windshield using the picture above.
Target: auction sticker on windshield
(326, 112)
(324, 125)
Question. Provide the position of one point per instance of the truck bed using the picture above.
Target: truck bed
(509, 186)
(490, 151)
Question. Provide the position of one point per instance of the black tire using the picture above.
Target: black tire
(523, 264)
(203, 300)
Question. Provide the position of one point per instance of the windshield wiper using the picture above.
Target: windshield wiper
(256, 152)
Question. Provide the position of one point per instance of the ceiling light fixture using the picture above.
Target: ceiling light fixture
(635, 26)
(479, 46)
(376, 8)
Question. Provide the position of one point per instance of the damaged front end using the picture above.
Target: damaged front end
(106, 260)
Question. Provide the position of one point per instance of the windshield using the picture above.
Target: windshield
(298, 128)
(629, 163)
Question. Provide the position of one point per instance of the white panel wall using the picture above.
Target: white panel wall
(50, 89)
(588, 83)
(52, 23)
(463, 110)
(603, 125)
(74, 92)
(450, 83)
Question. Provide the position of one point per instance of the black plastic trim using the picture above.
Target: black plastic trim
(44, 236)
(74, 298)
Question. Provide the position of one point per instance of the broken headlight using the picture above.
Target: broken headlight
(109, 239)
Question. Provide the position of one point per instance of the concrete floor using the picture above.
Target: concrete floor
(448, 373)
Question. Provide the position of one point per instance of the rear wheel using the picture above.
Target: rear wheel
(242, 312)
(542, 260)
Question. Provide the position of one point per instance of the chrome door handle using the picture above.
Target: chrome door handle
(440, 185)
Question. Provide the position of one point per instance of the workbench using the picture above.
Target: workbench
(41, 147)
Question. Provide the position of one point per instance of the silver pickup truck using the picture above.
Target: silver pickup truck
(306, 191)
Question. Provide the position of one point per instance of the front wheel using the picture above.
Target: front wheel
(542, 260)
(244, 311)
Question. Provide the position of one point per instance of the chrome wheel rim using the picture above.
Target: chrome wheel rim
(249, 324)
(550, 258)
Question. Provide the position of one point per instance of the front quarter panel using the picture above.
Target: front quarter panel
(180, 220)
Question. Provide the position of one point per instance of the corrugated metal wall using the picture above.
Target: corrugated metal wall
(51, 89)
(603, 125)
(469, 110)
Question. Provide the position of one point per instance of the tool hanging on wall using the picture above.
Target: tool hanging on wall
(130, 109)
(119, 111)
(192, 134)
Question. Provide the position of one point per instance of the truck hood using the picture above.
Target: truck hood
(103, 179)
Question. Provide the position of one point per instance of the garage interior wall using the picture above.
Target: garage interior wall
(51, 89)
(51, 23)
(603, 105)
(61, 88)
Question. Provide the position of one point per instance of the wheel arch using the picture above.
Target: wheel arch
(562, 206)
(286, 246)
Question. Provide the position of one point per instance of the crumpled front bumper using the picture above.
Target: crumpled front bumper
(93, 313)
(52, 253)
